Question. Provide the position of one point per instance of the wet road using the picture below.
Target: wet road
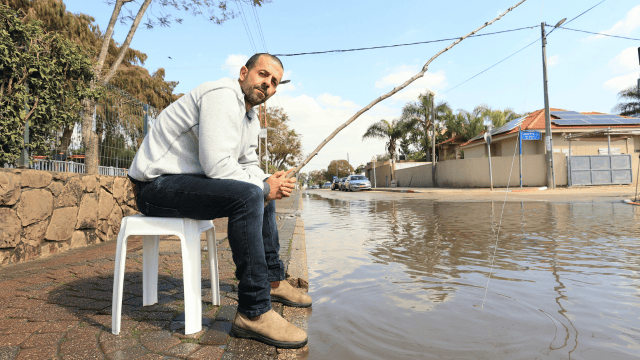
(397, 277)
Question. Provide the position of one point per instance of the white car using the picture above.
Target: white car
(357, 182)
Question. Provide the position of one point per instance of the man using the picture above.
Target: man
(199, 161)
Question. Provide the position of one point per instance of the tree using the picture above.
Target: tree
(284, 144)
(43, 71)
(630, 107)
(392, 132)
(466, 124)
(163, 17)
(422, 112)
(339, 168)
(317, 176)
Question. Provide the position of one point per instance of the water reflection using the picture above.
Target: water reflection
(404, 279)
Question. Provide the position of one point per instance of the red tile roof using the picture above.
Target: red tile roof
(535, 121)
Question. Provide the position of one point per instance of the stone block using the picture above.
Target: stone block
(5, 256)
(70, 194)
(121, 186)
(55, 187)
(91, 183)
(128, 211)
(115, 217)
(78, 239)
(24, 252)
(34, 206)
(10, 227)
(9, 188)
(62, 224)
(105, 205)
(34, 233)
(88, 212)
(36, 178)
(106, 182)
(62, 176)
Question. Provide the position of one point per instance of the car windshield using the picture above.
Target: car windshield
(358, 177)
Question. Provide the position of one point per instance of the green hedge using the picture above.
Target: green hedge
(58, 74)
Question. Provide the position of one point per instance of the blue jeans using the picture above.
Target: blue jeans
(253, 235)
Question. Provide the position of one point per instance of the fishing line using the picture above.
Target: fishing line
(500, 224)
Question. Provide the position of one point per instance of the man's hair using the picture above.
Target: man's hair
(254, 59)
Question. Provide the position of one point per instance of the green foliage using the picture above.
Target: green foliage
(58, 73)
(392, 132)
(631, 107)
(340, 168)
(284, 144)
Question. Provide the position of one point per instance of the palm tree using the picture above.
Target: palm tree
(632, 107)
(421, 110)
(390, 131)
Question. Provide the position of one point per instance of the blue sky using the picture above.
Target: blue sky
(585, 72)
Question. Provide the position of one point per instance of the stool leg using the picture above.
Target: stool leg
(118, 280)
(191, 275)
(150, 254)
(213, 266)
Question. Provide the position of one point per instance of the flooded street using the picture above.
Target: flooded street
(396, 277)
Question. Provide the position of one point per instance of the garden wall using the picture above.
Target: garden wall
(43, 213)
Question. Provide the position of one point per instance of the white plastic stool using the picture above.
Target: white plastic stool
(188, 230)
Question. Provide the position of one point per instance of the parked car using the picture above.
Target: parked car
(357, 182)
(341, 184)
(335, 185)
(326, 185)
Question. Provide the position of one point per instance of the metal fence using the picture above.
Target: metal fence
(120, 122)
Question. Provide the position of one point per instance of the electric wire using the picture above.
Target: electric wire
(595, 33)
(406, 44)
(584, 12)
(259, 26)
(246, 27)
(499, 225)
(469, 79)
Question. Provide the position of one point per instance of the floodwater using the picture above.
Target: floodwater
(406, 279)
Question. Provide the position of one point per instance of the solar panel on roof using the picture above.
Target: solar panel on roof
(561, 114)
(570, 122)
(630, 121)
(503, 129)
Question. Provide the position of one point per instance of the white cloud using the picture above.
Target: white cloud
(553, 60)
(234, 62)
(622, 82)
(430, 80)
(623, 27)
(317, 118)
(626, 61)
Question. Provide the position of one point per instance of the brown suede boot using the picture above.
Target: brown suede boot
(290, 296)
(271, 329)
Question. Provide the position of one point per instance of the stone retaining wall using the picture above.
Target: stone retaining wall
(43, 212)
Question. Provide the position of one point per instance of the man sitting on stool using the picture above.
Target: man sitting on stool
(199, 161)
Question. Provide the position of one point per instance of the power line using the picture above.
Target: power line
(407, 44)
(246, 27)
(489, 67)
(595, 33)
(259, 26)
(584, 12)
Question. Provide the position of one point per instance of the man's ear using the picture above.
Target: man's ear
(243, 73)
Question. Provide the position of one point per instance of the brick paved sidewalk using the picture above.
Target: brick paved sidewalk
(60, 307)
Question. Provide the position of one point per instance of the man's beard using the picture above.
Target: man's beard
(252, 95)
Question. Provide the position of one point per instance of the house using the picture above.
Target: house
(450, 148)
(563, 122)
(584, 134)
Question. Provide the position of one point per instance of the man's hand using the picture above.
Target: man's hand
(280, 185)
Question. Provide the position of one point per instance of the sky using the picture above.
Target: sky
(585, 72)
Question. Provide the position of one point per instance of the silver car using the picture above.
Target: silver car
(357, 182)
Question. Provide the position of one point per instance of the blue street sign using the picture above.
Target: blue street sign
(531, 135)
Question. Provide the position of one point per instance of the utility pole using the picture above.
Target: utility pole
(551, 181)
(433, 143)
(348, 163)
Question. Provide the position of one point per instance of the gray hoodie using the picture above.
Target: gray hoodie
(207, 131)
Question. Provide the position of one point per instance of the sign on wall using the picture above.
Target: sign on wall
(531, 135)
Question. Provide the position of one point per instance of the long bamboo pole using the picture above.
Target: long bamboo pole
(395, 90)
